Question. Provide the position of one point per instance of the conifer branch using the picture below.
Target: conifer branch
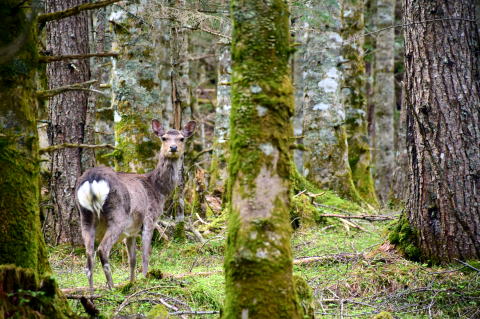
(48, 59)
(46, 17)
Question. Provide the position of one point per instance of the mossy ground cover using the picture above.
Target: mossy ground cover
(357, 274)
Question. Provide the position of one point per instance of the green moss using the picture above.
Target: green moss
(404, 237)
(383, 315)
(25, 296)
(305, 296)
(158, 312)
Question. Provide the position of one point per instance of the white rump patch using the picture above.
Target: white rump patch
(92, 196)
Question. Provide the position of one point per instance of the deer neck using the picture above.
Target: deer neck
(166, 176)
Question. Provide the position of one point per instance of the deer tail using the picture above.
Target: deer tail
(92, 195)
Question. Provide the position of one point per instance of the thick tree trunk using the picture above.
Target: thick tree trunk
(384, 99)
(258, 261)
(443, 127)
(23, 257)
(136, 86)
(354, 99)
(326, 161)
(67, 119)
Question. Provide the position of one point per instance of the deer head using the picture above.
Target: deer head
(173, 141)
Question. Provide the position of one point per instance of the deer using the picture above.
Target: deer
(117, 206)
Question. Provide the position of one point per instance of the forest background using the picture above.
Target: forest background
(369, 145)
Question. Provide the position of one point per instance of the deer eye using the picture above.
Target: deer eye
(182, 139)
(164, 139)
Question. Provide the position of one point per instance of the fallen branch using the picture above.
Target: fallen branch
(467, 265)
(366, 217)
(71, 145)
(89, 307)
(177, 313)
(48, 59)
(76, 296)
(45, 94)
(46, 17)
(336, 257)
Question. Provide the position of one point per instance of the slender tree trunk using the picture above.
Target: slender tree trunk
(384, 99)
(326, 161)
(67, 118)
(179, 62)
(354, 99)
(218, 169)
(443, 127)
(258, 261)
(136, 87)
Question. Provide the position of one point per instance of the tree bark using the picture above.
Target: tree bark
(258, 261)
(443, 128)
(67, 119)
(326, 161)
(180, 67)
(354, 99)
(384, 99)
(24, 268)
(218, 168)
(137, 86)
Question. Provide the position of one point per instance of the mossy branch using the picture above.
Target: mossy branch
(71, 145)
(45, 94)
(44, 18)
(48, 59)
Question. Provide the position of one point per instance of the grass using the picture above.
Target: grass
(370, 279)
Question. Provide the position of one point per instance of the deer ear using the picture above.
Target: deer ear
(157, 128)
(189, 128)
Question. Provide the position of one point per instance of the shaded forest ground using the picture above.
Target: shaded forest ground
(355, 274)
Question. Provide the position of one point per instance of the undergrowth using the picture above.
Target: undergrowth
(356, 273)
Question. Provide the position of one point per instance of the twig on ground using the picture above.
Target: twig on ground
(336, 257)
(467, 264)
(127, 300)
(365, 217)
(176, 313)
(89, 307)
(76, 296)
(201, 247)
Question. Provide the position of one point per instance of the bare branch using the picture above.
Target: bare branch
(71, 145)
(44, 18)
(45, 94)
(48, 59)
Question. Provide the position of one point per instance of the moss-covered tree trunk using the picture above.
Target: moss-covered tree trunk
(326, 161)
(67, 118)
(354, 99)
(137, 85)
(384, 99)
(23, 258)
(258, 260)
(443, 127)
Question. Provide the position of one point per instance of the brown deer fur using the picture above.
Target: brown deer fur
(115, 206)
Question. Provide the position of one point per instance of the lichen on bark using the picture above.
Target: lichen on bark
(326, 161)
(258, 260)
(137, 87)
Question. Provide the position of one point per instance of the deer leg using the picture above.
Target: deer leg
(146, 245)
(88, 234)
(109, 239)
(130, 242)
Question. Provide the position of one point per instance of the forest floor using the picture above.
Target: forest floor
(355, 273)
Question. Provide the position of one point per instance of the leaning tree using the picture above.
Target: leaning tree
(443, 127)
